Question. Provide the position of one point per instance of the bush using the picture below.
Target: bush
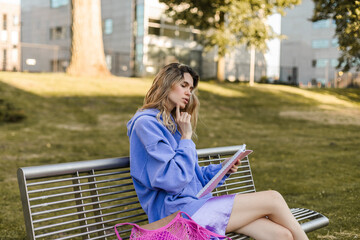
(9, 113)
(264, 79)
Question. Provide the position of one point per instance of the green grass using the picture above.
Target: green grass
(305, 142)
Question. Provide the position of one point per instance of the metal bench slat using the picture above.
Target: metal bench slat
(45, 197)
(303, 213)
(75, 199)
(90, 211)
(75, 185)
(308, 217)
(82, 205)
(73, 178)
(229, 190)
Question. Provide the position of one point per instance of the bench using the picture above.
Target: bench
(85, 199)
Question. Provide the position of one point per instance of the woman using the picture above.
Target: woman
(166, 174)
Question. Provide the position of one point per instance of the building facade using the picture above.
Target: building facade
(138, 40)
(309, 54)
(9, 37)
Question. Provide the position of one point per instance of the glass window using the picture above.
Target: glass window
(320, 63)
(313, 63)
(184, 35)
(334, 62)
(154, 31)
(4, 25)
(169, 33)
(3, 36)
(4, 59)
(335, 42)
(322, 43)
(14, 54)
(140, 19)
(58, 33)
(58, 3)
(15, 20)
(321, 24)
(108, 26)
(108, 60)
(14, 37)
(151, 20)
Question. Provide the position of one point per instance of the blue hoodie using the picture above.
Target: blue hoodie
(164, 168)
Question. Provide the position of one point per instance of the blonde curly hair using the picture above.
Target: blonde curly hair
(157, 96)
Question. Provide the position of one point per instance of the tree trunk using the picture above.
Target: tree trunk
(87, 48)
(220, 74)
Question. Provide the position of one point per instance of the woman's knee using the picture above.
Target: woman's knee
(276, 199)
(283, 234)
(274, 195)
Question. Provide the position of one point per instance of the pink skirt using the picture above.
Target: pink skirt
(214, 215)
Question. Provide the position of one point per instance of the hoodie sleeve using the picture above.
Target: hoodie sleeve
(210, 171)
(167, 168)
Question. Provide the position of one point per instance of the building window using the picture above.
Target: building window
(108, 60)
(170, 29)
(139, 57)
(140, 20)
(15, 54)
(152, 20)
(321, 24)
(323, 43)
(15, 20)
(171, 33)
(108, 26)
(154, 31)
(321, 63)
(334, 62)
(4, 25)
(14, 37)
(58, 33)
(3, 36)
(184, 35)
(58, 3)
(4, 59)
(335, 42)
(313, 63)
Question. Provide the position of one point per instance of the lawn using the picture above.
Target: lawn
(305, 142)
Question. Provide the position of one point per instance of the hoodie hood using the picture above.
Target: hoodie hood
(146, 112)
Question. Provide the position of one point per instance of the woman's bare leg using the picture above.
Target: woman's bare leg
(265, 229)
(253, 206)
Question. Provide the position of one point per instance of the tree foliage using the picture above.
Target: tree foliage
(229, 23)
(346, 15)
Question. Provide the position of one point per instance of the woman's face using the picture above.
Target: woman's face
(181, 92)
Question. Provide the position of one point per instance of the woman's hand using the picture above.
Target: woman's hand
(183, 120)
(233, 168)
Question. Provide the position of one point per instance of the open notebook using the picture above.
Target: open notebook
(240, 154)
